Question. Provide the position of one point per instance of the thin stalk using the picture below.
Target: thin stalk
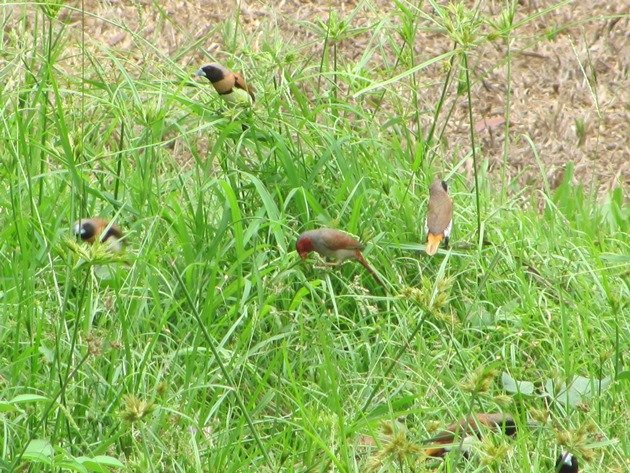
(438, 109)
(472, 144)
(121, 143)
(506, 132)
(53, 402)
(436, 114)
(224, 371)
(393, 363)
(49, 46)
(335, 71)
(389, 369)
(321, 62)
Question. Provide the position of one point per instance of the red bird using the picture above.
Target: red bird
(466, 428)
(333, 244)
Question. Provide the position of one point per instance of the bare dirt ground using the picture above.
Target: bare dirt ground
(569, 79)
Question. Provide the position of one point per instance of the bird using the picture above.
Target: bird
(97, 229)
(465, 428)
(566, 463)
(231, 86)
(439, 219)
(333, 244)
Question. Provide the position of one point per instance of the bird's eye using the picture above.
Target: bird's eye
(445, 186)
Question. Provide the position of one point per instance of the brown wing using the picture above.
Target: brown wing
(338, 240)
(467, 426)
(94, 227)
(448, 434)
(239, 82)
(439, 215)
(113, 231)
(505, 423)
(473, 423)
(103, 233)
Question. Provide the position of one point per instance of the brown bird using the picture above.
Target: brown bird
(231, 86)
(566, 463)
(469, 426)
(99, 230)
(333, 244)
(439, 217)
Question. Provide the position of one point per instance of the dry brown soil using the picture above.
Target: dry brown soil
(569, 75)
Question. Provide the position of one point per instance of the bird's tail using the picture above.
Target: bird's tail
(433, 243)
(361, 259)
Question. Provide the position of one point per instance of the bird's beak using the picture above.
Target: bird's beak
(200, 73)
(303, 256)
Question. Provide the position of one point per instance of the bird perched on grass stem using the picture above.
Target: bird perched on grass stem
(439, 217)
(231, 86)
(333, 244)
(460, 432)
(96, 229)
(566, 463)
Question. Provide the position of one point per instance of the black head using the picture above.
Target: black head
(85, 230)
(509, 427)
(212, 72)
(444, 186)
(566, 463)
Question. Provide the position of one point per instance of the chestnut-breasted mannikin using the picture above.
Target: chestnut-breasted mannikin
(231, 86)
(97, 229)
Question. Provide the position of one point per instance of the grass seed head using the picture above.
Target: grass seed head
(480, 380)
(135, 409)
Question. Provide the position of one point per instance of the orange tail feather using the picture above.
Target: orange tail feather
(433, 243)
(361, 259)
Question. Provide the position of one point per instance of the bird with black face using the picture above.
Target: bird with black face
(567, 463)
(99, 230)
(230, 86)
(461, 432)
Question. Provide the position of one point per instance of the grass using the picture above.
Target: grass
(211, 348)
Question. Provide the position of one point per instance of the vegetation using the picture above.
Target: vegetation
(210, 347)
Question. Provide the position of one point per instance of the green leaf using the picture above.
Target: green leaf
(512, 385)
(297, 299)
(39, 450)
(237, 218)
(577, 391)
(624, 376)
(47, 354)
(395, 406)
(619, 259)
(9, 406)
(6, 407)
(271, 209)
(72, 465)
(23, 398)
(108, 461)
(480, 317)
(100, 463)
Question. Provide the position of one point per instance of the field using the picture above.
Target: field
(208, 345)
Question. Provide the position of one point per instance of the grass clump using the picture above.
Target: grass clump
(208, 346)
